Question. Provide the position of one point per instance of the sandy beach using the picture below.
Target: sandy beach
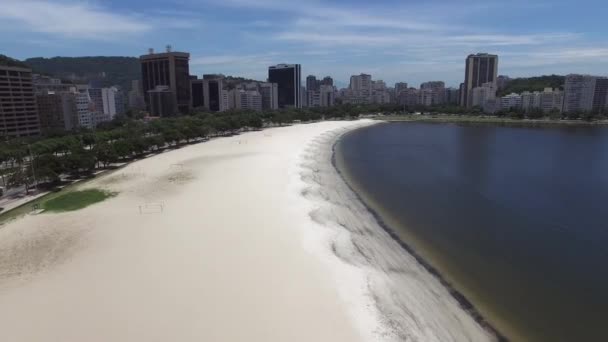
(228, 240)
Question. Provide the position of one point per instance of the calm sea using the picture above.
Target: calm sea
(515, 218)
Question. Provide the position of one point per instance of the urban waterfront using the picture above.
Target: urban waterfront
(514, 218)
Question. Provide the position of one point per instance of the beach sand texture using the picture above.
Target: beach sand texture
(211, 242)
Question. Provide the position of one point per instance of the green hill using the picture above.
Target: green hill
(519, 85)
(102, 71)
(7, 61)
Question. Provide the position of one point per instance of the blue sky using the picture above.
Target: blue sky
(411, 41)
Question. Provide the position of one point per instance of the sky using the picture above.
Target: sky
(393, 40)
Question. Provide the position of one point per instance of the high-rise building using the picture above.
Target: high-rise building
(113, 102)
(328, 81)
(600, 95)
(57, 110)
(452, 96)
(136, 96)
(579, 93)
(312, 83)
(400, 87)
(480, 69)
(327, 95)
(198, 97)
(84, 107)
(288, 80)
(432, 93)
(161, 100)
(213, 97)
(485, 97)
(270, 96)
(170, 69)
(361, 87)
(18, 112)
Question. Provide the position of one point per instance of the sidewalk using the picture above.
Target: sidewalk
(12, 201)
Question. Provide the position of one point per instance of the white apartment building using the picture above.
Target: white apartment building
(113, 102)
(485, 97)
(241, 99)
(361, 87)
(84, 108)
(530, 100)
(551, 99)
(270, 96)
(511, 101)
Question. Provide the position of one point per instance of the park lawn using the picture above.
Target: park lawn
(75, 200)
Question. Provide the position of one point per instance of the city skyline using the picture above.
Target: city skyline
(393, 41)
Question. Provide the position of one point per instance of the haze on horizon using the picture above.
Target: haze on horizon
(392, 40)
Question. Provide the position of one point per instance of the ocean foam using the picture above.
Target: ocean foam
(390, 295)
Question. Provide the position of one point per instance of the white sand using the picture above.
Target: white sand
(223, 261)
(248, 238)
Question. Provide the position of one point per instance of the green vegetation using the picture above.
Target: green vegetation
(8, 61)
(105, 71)
(75, 200)
(519, 85)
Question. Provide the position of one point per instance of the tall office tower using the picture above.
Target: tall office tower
(288, 80)
(169, 69)
(480, 69)
(213, 96)
(196, 89)
(18, 112)
(270, 96)
(328, 81)
(161, 101)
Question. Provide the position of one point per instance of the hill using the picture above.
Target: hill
(101, 71)
(519, 85)
(8, 61)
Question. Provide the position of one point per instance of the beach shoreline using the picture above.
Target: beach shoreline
(464, 302)
(302, 248)
(391, 272)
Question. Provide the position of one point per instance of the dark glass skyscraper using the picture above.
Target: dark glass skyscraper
(288, 79)
(480, 68)
(169, 69)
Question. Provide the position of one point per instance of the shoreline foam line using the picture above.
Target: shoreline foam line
(409, 298)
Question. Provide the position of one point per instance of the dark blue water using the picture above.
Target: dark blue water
(516, 218)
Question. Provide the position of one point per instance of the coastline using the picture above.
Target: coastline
(393, 271)
(500, 330)
(491, 120)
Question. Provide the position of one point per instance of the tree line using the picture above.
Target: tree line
(56, 155)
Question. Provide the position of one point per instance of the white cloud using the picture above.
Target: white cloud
(69, 19)
(82, 20)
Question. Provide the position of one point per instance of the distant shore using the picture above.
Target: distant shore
(495, 120)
